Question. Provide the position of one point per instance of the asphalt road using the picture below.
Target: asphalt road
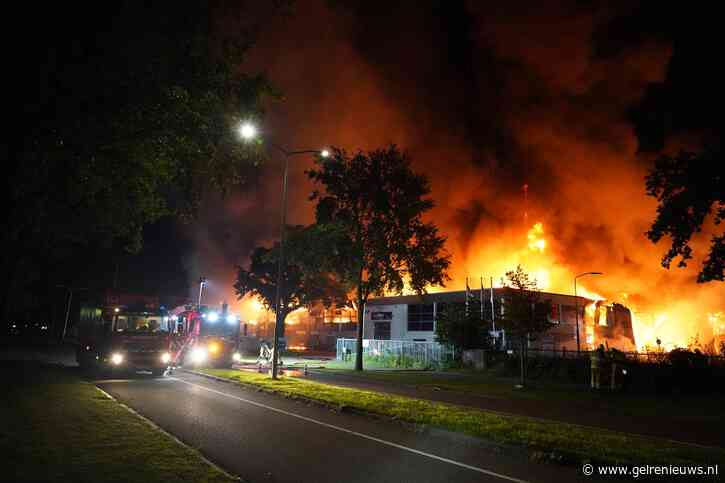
(266, 438)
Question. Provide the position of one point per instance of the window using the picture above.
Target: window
(381, 316)
(420, 317)
(381, 331)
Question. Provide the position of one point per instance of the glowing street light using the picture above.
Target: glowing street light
(576, 313)
(248, 132)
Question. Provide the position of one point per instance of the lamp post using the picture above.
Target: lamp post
(248, 132)
(202, 282)
(576, 314)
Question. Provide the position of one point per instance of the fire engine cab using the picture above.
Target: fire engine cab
(204, 336)
(123, 332)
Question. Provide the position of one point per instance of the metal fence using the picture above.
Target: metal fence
(397, 353)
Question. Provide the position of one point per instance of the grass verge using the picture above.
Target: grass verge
(57, 428)
(706, 409)
(563, 442)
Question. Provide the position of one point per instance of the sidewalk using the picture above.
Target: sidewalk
(585, 413)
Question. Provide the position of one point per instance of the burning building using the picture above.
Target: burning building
(413, 318)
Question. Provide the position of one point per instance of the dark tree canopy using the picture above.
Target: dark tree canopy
(525, 313)
(129, 111)
(690, 188)
(461, 326)
(305, 283)
(372, 205)
(131, 118)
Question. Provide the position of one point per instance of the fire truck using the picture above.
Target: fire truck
(123, 332)
(205, 336)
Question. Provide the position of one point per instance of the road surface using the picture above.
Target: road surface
(267, 438)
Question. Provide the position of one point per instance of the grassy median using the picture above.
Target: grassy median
(566, 442)
(56, 428)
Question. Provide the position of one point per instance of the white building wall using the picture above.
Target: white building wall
(398, 324)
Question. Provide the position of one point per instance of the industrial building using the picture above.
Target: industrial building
(413, 318)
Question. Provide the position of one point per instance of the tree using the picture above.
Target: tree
(689, 187)
(371, 205)
(305, 283)
(129, 115)
(525, 314)
(462, 327)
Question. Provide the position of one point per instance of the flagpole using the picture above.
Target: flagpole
(493, 310)
(467, 294)
(481, 299)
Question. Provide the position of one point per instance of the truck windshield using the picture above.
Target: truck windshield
(141, 324)
(219, 329)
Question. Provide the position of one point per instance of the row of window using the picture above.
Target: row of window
(421, 317)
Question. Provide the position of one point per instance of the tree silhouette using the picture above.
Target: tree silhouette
(690, 188)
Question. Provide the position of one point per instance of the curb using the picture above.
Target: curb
(531, 453)
(511, 450)
(174, 438)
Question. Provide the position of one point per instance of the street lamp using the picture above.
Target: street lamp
(202, 282)
(248, 131)
(576, 314)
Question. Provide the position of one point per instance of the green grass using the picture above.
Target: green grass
(370, 365)
(702, 408)
(56, 428)
(573, 443)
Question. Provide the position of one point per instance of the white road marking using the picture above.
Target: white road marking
(361, 435)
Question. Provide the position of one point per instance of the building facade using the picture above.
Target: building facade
(413, 318)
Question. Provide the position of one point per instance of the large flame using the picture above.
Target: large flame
(664, 325)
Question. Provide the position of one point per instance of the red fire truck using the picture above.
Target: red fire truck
(204, 336)
(123, 332)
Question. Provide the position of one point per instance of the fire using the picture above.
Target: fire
(658, 323)
(536, 240)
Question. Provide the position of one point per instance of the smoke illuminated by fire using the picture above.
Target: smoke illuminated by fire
(548, 111)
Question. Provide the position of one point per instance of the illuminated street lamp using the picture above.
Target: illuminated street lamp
(249, 131)
(576, 314)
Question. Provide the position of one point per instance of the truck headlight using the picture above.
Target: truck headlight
(165, 357)
(198, 355)
(236, 357)
(116, 358)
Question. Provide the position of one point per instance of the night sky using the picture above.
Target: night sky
(573, 99)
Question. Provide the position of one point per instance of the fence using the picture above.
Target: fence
(398, 353)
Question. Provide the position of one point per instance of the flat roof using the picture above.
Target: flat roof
(456, 296)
